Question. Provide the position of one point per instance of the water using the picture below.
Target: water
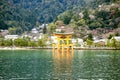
(43, 64)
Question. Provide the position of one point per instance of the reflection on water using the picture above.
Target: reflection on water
(46, 65)
(25, 65)
(63, 64)
(95, 65)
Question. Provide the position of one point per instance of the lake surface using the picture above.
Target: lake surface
(44, 64)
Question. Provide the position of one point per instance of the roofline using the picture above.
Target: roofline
(63, 33)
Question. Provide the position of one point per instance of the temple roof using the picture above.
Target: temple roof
(63, 35)
(65, 29)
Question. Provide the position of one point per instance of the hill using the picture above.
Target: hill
(102, 21)
(22, 15)
(19, 16)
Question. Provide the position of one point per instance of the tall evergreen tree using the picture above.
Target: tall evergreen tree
(44, 29)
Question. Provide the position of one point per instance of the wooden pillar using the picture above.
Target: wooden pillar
(58, 45)
(72, 47)
(68, 45)
(53, 47)
(63, 48)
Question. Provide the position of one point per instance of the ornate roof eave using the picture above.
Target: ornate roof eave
(63, 34)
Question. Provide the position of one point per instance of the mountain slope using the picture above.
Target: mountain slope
(26, 13)
(22, 15)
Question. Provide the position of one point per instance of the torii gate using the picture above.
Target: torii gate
(64, 42)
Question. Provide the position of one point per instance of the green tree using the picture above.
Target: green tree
(110, 36)
(114, 42)
(75, 17)
(103, 14)
(3, 25)
(19, 30)
(51, 28)
(41, 43)
(12, 30)
(18, 42)
(108, 43)
(21, 42)
(2, 42)
(90, 37)
(118, 44)
(117, 13)
(8, 42)
(117, 34)
(118, 25)
(86, 14)
(37, 24)
(32, 44)
(44, 29)
(94, 25)
(65, 17)
(81, 22)
(89, 42)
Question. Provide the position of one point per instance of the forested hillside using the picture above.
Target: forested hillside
(22, 15)
(102, 20)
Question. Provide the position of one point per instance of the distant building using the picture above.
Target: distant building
(42, 26)
(101, 42)
(117, 38)
(78, 41)
(34, 30)
(81, 42)
(11, 37)
(41, 36)
(35, 38)
(81, 15)
(53, 39)
(26, 36)
(4, 32)
(74, 41)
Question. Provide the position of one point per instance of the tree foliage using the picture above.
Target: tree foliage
(32, 44)
(65, 17)
(41, 43)
(90, 37)
(2, 42)
(22, 15)
(8, 42)
(51, 28)
(89, 42)
(113, 43)
(44, 29)
(26, 14)
(21, 42)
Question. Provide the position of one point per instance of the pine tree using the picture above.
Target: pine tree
(44, 29)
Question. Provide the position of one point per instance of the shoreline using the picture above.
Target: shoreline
(75, 48)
